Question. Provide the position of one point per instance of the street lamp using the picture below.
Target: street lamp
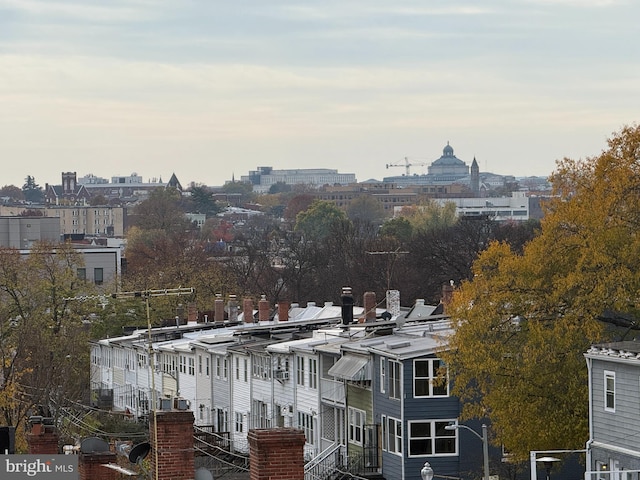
(548, 463)
(483, 438)
(427, 472)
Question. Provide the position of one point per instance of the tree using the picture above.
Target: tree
(430, 215)
(161, 211)
(399, 228)
(97, 200)
(12, 192)
(32, 191)
(202, 200)
(366, 209)
(43, 343)
(524, 320)
(316, 221)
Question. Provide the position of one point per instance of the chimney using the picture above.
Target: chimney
(232, 309)
(369, 301)
(43, 437)
(91, 466)
(276, 453)
(447, 293)
(393, 302)
(347, 306)
(247, 310)
(218, 309)
(192, 313)
(263, 309)
(283, 311)
(172, 456)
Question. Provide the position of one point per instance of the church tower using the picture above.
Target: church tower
(475, 178)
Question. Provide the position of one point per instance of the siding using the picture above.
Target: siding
(617, 428)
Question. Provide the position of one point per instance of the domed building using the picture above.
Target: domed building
(448, 167)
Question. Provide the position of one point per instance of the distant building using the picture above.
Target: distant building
(513, 208)
(264, 177)
(121, 189)
(23, 232)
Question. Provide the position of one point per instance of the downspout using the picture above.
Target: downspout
(590, 441)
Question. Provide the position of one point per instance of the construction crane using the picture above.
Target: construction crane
(407, 165)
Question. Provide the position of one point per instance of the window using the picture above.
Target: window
(305, 423)
(394, 379)
(239, 422)
(313, 373)
(199, 364)
(183, 364)
(237, 368)
(246, 371)
(609, 391)
(391, 435)
(429, 378)
(261, 367)
(192, 366)
(383, 375)
(206, 366)
(98, 276)
(356, 425)
(300, 371)
(431, 438)
(82, 274)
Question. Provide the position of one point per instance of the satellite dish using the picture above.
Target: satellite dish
(203, 474)
(139, 452)
(93, 445)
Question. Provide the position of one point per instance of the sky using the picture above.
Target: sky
(211, 89)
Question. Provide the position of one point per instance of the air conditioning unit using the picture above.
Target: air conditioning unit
(282, 374)
(181, 403)
(165, 404)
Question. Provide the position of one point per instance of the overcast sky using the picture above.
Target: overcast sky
(209, 89)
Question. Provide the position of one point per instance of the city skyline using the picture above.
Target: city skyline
(211, 90)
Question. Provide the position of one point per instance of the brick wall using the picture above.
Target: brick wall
(276, 454)
(91, 466)
(172, 456)
(43, 439)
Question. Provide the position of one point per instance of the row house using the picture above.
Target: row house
(372, 390)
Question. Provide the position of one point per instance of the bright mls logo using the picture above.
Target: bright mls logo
(51, 467)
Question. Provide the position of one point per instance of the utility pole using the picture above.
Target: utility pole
(145, 295)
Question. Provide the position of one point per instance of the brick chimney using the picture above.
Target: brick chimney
(91, 466)
(369, 301)
(276, 453)
(192, 313)
(263, 309)
(172, 456)
(43, 437)
(218, 312)
(283, 311)
(447, 294)
(247, 310)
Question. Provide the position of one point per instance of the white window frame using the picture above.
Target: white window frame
(356, 421)
(300, 371)
(433, 365)
(313, 373)
(433, 437)
(383, 375)
(395, 379)
(609, 393)
(391, 435)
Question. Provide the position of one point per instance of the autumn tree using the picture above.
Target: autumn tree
(524, 320)
(316, 221)
(43, 343)
(12, 192)
(161, 211)
(429, 215)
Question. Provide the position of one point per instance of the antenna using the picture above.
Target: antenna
(146, 295)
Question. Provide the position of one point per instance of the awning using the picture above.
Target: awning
(351, 367)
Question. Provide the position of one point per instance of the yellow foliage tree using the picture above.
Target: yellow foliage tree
(524, 321)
